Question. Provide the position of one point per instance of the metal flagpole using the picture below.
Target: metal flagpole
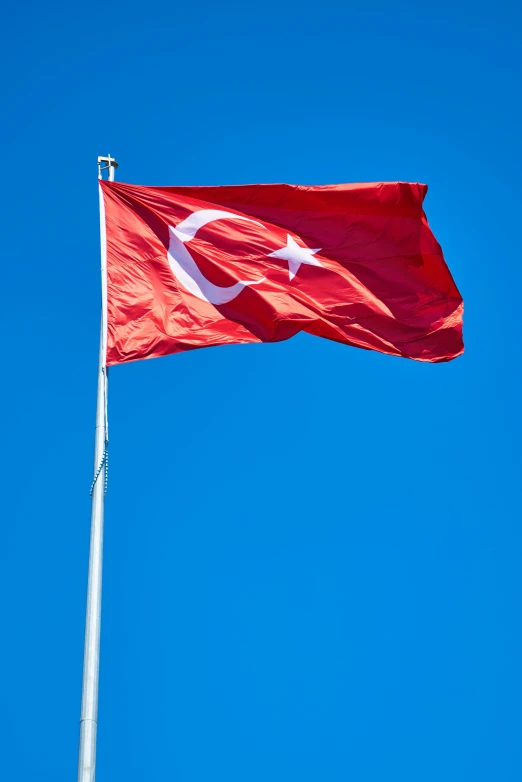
(91, 659)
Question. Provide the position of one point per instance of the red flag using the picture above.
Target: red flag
(190, 267)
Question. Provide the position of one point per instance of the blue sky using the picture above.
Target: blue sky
(312, 560)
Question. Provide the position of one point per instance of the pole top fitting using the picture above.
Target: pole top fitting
(109, 160)
(110, 164)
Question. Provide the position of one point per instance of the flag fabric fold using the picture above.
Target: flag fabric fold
(191, 267)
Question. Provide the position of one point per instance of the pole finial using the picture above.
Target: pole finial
(110, 165)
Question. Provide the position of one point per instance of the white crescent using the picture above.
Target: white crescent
(184, 267)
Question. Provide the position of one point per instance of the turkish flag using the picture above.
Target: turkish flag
(191, 267)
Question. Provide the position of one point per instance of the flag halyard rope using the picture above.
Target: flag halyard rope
(104, 463)
(105, 458)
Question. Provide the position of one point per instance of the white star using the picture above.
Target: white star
(295, 256)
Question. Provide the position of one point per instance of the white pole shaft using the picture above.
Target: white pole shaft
(91, 659)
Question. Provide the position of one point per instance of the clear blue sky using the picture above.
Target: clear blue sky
(312, 562)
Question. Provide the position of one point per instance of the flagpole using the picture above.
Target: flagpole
(91, 658)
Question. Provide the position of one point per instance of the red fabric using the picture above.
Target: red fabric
(377, 281)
